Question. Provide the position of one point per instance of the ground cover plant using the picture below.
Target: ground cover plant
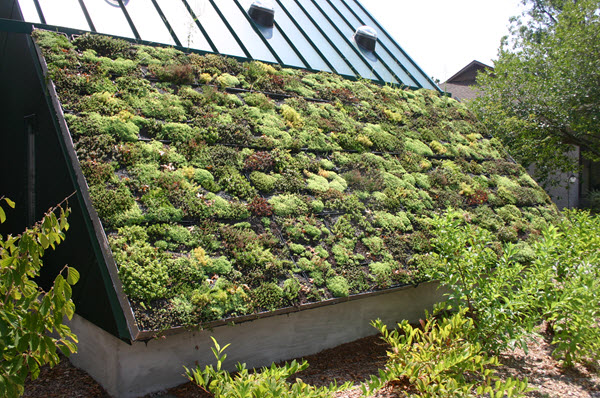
(230, 188)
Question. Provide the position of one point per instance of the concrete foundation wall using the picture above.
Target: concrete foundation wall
(134, 370)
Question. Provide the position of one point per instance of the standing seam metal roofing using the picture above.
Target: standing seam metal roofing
(309, 34)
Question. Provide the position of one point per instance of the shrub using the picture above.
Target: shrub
(485, 284)
(553, 279)
(268, 383)
(27, 312)
(439, 360)
(565, 272)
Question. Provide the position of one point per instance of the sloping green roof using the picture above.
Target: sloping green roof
(229, 188)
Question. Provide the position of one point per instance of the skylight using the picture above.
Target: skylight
(337, 36)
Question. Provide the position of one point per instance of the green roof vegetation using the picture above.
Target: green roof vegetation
(230, 188)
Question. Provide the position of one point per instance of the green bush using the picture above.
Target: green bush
(28, 313)
(566, 271)
(493, 289)
(439, 360)
(553, 278)
(270, 382)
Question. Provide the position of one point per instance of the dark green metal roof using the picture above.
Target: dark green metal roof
(310, 34)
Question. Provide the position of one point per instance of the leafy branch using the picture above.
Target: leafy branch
(31, 320)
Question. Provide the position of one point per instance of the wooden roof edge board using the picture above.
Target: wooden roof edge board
(112, 282)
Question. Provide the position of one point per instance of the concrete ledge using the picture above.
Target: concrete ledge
(128, 371)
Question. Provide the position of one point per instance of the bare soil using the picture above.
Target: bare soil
(355, 362)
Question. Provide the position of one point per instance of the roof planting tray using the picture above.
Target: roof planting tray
(230, 189)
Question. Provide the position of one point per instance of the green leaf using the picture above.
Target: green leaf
(10, 202)
(72, 276)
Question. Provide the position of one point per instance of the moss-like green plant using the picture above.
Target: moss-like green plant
(338, 286)
(157, 154)
(110, 202)
(291, 116)
(104, 46)
(288, 205)
(382, 272)
(237, 185)
(291, 288)
(375, 244)
(268, 296)
(227, 80)
(263, 182)
(509, 213)
(392, 222)
(142, 269)
(417, 147)
(177, 132)
(220, 266)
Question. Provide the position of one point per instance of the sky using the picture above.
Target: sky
(443, 36)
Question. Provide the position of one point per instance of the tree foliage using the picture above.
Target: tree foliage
(31, 320)
(543, 97)
(507, 293)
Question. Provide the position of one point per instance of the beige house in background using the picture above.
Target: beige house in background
(462, 84)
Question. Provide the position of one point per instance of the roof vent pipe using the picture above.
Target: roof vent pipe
(262, 12)
(366, 38)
